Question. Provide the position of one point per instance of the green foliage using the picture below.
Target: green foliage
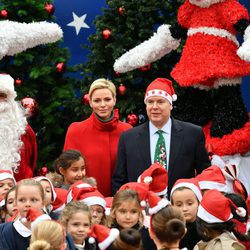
(138, 22)
(53, 91)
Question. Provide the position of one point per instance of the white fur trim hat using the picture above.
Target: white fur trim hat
(191, 184)
(7, 174)
(104, 235)
(216, 208)
(161, 87)
(7, 85)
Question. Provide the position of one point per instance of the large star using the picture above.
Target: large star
(78, 22)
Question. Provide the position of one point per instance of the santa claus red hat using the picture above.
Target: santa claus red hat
(156, 177)
(161, 87)
(35, 217)
(77, 189)
(212, 178)
(156, 203)
(43, 178)
(191, 183)
(7, 84)
(104, 235)
(7, 174)
(108, 201)
(141, 189)
(59, 204)
(216, 208)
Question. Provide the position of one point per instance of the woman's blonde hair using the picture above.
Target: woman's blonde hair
(72, 208)
(47, 235)
(102, 84)
(119, 198)
(30, 182)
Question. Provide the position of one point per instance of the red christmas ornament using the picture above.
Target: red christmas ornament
(4, 13)
(30, 105)
(121, 10)
(146, 67)
(50, 8)
(60, 67)
(132, 119)
(18, 82)
(43, 171)
(106, 34)
(122, 89)
(85, 99)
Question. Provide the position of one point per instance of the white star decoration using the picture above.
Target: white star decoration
(78, 22)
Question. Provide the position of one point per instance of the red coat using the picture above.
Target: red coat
(207, 57)
(28, 153)
(98, 142)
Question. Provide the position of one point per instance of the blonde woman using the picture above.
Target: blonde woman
(97, 137)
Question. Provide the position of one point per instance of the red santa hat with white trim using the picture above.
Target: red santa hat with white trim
(161, 87)
(212, 178)
(141, 189)
(156, 177)
(59, 204)
(191, 184)
(7, 85)
(104, 235)
(7, 174)
(156, 203)
(35, 217)
(43, 178)
(216, 208)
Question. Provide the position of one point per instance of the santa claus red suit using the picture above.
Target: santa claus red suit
(98, 142)
(18, 147)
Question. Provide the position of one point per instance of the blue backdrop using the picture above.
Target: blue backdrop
(76, 19)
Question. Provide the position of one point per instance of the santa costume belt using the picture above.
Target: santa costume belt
(213, 31)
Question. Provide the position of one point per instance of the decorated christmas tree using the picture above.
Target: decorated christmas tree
(40, 80)
(123, 25)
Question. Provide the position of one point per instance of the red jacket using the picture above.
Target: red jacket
(98, 142)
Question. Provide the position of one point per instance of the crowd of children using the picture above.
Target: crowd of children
(65, 210)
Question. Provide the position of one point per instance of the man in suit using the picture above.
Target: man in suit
(184, 153)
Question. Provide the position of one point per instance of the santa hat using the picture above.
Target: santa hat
(156, 203)
(43, 178)
(104, 235)
(141, 189)
(161, 87)
(77, 189)
(212, 178)
(35, 217)
(93, 198)
(7, 85)
(108, 201)
(59, 204)
(231, 172)
(7, 174)
(156, 177)
(216, 208)
(191, 183)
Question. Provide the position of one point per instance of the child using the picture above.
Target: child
(76, 219)
(167, 223)
(16, 235)
(112, 239)
(186, 195)
(71, 165)
(10, 205)
(48, 235)
(214, 222)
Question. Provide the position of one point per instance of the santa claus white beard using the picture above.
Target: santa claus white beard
(12, 126)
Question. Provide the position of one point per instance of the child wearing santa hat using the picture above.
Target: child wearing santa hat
(214, 222)
(30, 202)
(112, 239)
(167, 223)
(186, 195)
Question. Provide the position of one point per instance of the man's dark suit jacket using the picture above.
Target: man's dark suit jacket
(188, 155)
